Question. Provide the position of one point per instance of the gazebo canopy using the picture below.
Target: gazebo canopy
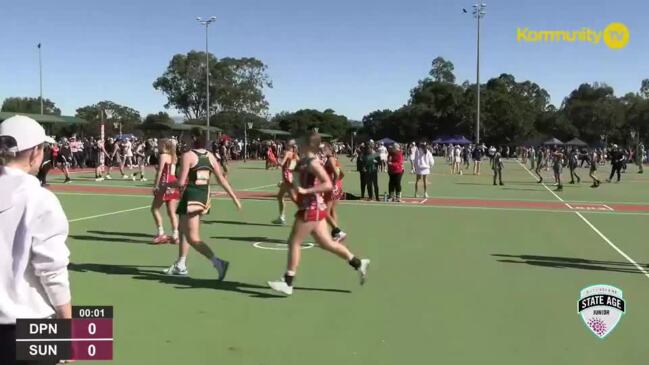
(273, 132)
(553, 142)
(387, 141)
(576, 142)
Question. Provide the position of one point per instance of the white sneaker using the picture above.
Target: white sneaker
(108, 177)
(176, 270)
(280, 286)
(222, 267)
(340, 236)
(143, 179)
(280, 220)
(125, 177)
(365, 263)
(133, 177)
(99, 179)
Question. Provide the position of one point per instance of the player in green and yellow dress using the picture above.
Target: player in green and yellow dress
(197, 167)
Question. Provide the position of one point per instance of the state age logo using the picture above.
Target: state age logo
(601, 307)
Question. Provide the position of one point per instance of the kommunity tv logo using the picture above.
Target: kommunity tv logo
(615, 35)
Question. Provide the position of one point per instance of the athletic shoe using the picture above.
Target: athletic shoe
(280, 286)
(222, 267)
(108, 177)
(176, 270)
(143, 179)
(460, 172)
(67, 180)
(340, 236)
(133, 178)
(99, 179)
(362, 270)
(280, 220)
(160, 239)
(125, 177)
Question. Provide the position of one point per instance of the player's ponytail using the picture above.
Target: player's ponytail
(8, 149)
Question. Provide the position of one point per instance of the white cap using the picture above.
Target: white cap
(26, 131)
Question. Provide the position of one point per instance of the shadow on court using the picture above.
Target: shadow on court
(241, 223)
(570, 263)
(154, 273)
(249, 239)
(127, 234)
(109, 239)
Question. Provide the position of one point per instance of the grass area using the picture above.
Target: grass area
(448, 284)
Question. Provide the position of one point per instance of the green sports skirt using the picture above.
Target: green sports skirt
(195, 199)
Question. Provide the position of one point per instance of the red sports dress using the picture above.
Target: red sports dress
(167, 178)
(337, 192)
(287, 169)
(270, 157)
(310, 207)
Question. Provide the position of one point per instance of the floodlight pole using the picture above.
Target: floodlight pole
(478, 13)
(207, 23)
(40, 72)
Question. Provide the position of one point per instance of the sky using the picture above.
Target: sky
(353, 56)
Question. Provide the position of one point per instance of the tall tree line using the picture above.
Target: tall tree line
(512, 111)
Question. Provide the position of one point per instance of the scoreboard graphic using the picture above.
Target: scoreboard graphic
(87, 336)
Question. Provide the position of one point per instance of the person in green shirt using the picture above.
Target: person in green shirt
(497, 166)
(369, 162)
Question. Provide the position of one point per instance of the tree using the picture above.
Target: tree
(29, 105)
(129, 118)
(594, 110)
(161, 118)
(442, 70)
(302, 121)
(644, 88)
(236, 85)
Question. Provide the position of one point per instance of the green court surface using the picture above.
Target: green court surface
(450, 283)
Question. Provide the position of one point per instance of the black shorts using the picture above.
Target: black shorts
(63, 159)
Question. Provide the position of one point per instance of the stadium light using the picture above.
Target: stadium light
(478, 13)
(207, 23)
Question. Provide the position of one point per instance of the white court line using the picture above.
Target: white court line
(107, 214)
(609, 208)
(606, 239)
(259, 187)
(627, 257)
(423, 201)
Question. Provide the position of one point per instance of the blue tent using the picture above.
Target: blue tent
(452, 140)
(460, 140)
(387, 141)
(121, 137)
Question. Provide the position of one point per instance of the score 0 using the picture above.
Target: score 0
(92, 333)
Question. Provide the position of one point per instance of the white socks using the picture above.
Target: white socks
(182, 262)
(161, 231)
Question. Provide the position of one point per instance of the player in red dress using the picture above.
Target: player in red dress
(311, 217)
(332, 167)
(165, 193)
(288, 163)
(271, 157)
